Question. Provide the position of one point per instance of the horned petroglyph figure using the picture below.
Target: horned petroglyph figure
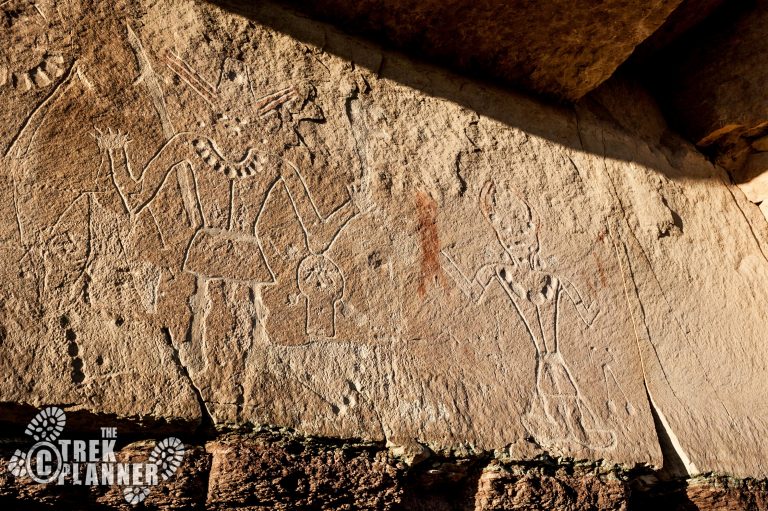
(557, 411)
(223, 191)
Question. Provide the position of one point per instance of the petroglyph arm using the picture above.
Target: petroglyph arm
(320, 231)
(475, 287)
(588, 312)
(137, 191)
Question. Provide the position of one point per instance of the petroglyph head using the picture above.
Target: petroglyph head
(512, 219)
(245, 116)
(320, 278)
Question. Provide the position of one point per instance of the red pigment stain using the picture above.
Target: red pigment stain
(430, 242)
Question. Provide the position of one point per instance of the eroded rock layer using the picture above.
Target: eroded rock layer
(271, 470)
(713, 82)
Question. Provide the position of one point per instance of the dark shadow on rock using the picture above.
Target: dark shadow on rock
(575, 126)
(14, 418)
(681, 77)
(709, 84)
(663, 496)
(445, 485)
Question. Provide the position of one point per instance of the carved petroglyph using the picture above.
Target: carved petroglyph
(322, 284)
(211, 155)
(85, 256)
(224, 198)
(193, 79)
(28, 70)
(234, 84)
(39, 77)
(50, 257)
(22, 81)
(558, 410)
(303, 243)
(613, 388)
(149, 78)
(216, 240)
(23, 138)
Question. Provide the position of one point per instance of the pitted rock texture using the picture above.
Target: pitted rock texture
(187, 489)
(510, 488)
(299, 476)
(229, 221)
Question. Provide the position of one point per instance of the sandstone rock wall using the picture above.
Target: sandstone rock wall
(713, 82)
(230, 221)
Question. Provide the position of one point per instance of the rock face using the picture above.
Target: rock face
(717, 74)
(753, 178)
(291, 475)
(555, 48)
(229, 221)
(714, 88)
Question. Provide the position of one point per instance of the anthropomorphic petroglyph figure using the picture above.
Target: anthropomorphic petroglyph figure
(221, 200)
(322, 283)
(558, 411)
(61, 255)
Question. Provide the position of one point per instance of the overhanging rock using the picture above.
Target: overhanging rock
(557, 48)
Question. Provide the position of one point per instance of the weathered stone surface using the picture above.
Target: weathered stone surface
(186, 490)
(753, 180)
(716, 76)
(293, 475)
(556, 48)
(502, 488)
(269, 470)
(685, 18)
(203, 210)
(713, 83)
(720, 493)
(761, 144)
(726, 494)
